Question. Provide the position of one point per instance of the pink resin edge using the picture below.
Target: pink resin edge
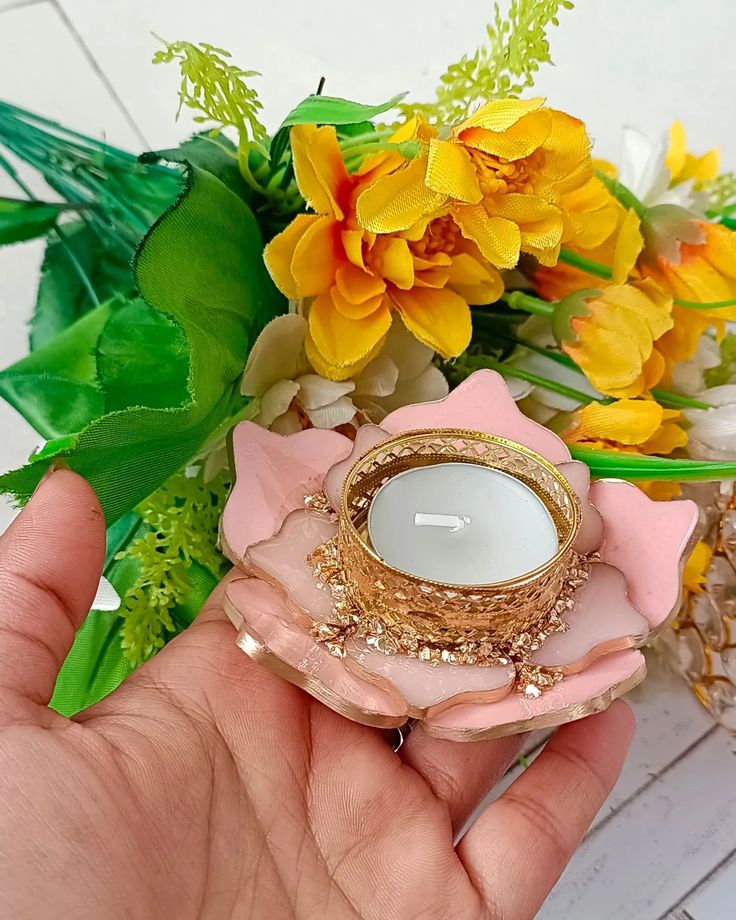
(273, 473)
(651, 563)
(482, 403)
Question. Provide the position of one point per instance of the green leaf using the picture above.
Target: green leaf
(62, 294)
(25, 220)
(726, 370)
(640, 468)
(96, 664)
(218, 156)
(202, 265)
(330, 110)
(54, 388)
(142, 359)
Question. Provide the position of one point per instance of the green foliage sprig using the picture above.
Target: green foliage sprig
(216, 88)
(721, 193)
(505, 66)
(183, 517)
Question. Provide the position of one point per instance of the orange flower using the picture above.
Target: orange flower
(611, 335)
(357, 278)
(500, 174)
(699, 272)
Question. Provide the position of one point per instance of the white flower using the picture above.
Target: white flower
(688, 376)
(712, 435)
(292, 396)
(645, 173)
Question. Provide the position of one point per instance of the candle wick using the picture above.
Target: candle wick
(453, 522)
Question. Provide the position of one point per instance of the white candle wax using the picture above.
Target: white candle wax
(462, 524)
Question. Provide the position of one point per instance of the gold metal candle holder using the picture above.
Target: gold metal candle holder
(445, 614)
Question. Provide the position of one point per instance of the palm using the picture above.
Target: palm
(207, 788)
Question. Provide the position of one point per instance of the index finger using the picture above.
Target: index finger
(518, 848)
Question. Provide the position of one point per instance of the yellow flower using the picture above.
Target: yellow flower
(591, 214)
(357, 278)
(611, 334)
(696, 568)
(683, 165)
(633, 425)
(500, 174)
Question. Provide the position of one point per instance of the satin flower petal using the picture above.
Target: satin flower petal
(399, 200)
(342, 342)
(438, 318)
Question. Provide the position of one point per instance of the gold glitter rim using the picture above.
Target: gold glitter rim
(255, 649)
(346, 520)
(421, 713)
(552, 719)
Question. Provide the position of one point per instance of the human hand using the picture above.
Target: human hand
(206, 787)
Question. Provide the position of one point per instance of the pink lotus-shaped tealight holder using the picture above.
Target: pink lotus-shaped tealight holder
(382, 641)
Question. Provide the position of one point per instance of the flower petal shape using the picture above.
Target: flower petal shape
(603, 620)
(273, 473)
(366, 437)
(498, 239)
(439, 318)
(482, 402)
(591, 526)
(397, 201)
(651, 564)
(450, 171)
(289, 619)
(428, 688)
(282, 562)
(268, 634)
(342, 342)
(578, 695)
(319, 168)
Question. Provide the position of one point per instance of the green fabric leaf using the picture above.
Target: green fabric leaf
(25, 220)
(201, 264)
(330, 110)
(142, 359)
(54, 388)
(62, 295)
(96, 664)
(640, 468)
(351, 117)
(218, 156)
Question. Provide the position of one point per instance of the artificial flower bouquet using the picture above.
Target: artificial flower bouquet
(381, 289)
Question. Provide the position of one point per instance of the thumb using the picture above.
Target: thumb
(50, 563)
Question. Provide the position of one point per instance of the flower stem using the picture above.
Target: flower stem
(662, 396)
(623, 195)
(508, 370)
(693, 305)
(517, 300)
(586, 265)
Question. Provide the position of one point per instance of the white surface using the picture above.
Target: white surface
(665, 841)
(509, 530)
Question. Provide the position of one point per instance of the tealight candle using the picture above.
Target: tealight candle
(461, 524)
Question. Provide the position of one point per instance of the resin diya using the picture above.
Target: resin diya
(453, 565)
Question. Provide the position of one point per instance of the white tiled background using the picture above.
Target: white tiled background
(665, 843)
